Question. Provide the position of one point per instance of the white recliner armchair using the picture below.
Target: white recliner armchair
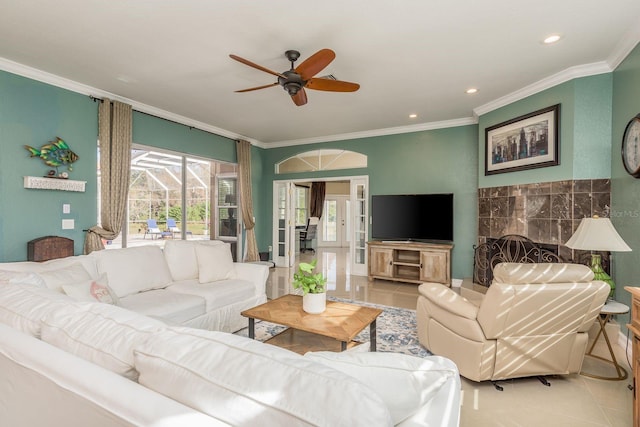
(533, 321)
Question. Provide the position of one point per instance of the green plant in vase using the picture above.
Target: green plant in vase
(313, 287)
(306, 280)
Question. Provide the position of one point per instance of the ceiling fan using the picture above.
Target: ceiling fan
(295, 80)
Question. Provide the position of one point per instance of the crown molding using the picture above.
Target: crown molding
(377, 132)
(544, 84)
(622, 50)
(624, 46)
(61, 82)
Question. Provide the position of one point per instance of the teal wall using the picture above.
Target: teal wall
(34, 113)
(625, 190)
(593, 111)
(584, 129)
(435, 161)
(156, 132)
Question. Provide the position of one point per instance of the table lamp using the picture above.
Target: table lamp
(598, 234)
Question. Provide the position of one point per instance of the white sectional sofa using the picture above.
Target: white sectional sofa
(189, 283)
(65, 362)
(69, 363)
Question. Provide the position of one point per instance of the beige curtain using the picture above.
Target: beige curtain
(246, 203)
(114, 134)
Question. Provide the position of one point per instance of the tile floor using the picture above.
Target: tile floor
(572, 400)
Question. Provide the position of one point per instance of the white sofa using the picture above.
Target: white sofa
(69, 363)
(189, 283)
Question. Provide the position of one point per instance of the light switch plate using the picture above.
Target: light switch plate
(68, 224)
(66, 208)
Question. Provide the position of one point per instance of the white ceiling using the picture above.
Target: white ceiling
(171, 58)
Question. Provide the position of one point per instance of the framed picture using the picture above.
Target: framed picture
(526, 142)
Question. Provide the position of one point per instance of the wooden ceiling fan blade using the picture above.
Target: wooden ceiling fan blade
(332, 85)
(257, 88)
(315, 63)
(300, 98)
(256, 66)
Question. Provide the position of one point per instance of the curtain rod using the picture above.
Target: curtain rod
(96, 99)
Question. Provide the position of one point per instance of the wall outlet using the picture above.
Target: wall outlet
(66, 208)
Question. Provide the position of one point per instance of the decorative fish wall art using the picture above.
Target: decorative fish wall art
(55, 153)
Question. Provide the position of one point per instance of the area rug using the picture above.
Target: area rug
(396, 330)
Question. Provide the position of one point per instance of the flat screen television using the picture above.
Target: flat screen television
(419, 217)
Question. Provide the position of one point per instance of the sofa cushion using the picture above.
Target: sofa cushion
(22, 277)
(215, 263)
(405, 383)
(173, 307)
(133, 270)
(100, 333)
(87, 261)
(181, 257)
(24, 306)
(74, 273)
(216, 294)
(92, 290)
(246, 383)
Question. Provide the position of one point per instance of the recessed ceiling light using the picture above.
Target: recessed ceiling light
(551, 39)
(413, 116)
(125, 79)
(471, 90)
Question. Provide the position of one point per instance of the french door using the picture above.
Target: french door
(284, 233)
(359, 196)
(356, 223)
(335, 224)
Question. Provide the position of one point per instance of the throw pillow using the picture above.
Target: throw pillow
(405, 383)
(181, 257)
(133, 270)
(92, 290)
(74, 273)
(244, 382)
(100, 333)
(215, 263)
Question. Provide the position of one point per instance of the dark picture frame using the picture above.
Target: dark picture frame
(526, 142)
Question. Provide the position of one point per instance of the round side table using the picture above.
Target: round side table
(611, 308)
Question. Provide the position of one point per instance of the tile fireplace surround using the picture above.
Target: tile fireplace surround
(546, 212)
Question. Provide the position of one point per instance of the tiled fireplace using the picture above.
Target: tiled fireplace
(547, 213)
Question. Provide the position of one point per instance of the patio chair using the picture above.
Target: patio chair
(172, 227)
(152, 229)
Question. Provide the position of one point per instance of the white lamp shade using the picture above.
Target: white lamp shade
(597, 234)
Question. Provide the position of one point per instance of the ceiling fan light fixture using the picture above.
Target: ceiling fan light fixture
(292, 87)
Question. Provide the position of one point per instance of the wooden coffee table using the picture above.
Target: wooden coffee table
(333, 330)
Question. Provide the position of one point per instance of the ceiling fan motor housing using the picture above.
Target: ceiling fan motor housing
(293, 82)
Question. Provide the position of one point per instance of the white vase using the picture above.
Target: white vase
(314, 303)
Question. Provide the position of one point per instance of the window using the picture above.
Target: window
(171, 196)
(227, 206)
(322, 160)
(300, 199)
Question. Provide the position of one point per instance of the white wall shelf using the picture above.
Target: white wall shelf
(42, 183)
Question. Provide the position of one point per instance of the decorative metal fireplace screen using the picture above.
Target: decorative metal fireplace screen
(508, 248)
